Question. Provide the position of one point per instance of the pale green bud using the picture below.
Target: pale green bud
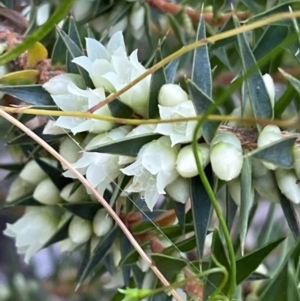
(268, 135)
(296, 152)
(47, 193)
(226, 156)
(70, 150)
(78, 196)
(80, 230)
(18, 188)
(171, 95)
(67, 245)
(94, 243)
(32, 173)
(178, 190)
(102, 222)
(186, 163)
(287, 181)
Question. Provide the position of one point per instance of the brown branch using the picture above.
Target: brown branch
(173, 8)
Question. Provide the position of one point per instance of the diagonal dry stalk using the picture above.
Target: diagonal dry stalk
(101, 200)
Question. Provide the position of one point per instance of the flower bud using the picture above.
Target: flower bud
(32, 173)
(102, 223)
(179, 190)
(226, 156)
(186, 163)
(80, 230)
(18, 188)
(234, 188)
(94, 243)
(171, 95)
(269, 83)
(288, 184)
(136, 20)
(67, 245)
(47, 193)
(268, 135)
(116, 253)
(81, 9)
(78, 196)
(266, 186)
(69, 149)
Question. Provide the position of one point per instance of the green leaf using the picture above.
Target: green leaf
(125, 248)
(247, 196)
(292, 80)
(279, 152)
(231, 209)
(55, 174)
(201, 208)
(13, 167)
(201, 70)
(26, 200)
(126, 146)
(158, 79)
(292, 290)
(170, 71)
(85, 210)
(290, 215)
(61, 233)
(184, 246)
(177, 29)
(98, 254)
(180, 212)
(39, 34)
(22, 77)
(249, 263)
(132, 256)
(32, 94)
(169, 266)
(75, 51)
(119, 109)
(58, 56)
(259, 97)
(202, 102)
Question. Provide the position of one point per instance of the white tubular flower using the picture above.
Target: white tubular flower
(288, 184)
(100, 169)
(80, 230)
(171, 95)
(59, 84)
(102, 223)
(111, 68)
(269, 83)
(179, 132)
(33, 229)
(18, 188)
(268, 135)
(226, 156)
(32, 173)
(296, 152)
(266, 187)
(179, 190)
(80, 101)
(186, 163)
(47, 193)
(153, 170)
(78, 196)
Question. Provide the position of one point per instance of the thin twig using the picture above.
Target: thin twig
(101, 200)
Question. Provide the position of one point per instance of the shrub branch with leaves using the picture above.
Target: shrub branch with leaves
(131, 150)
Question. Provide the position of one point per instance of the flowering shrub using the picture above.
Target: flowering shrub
(157, 143)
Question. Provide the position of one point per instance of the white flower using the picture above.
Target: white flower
(171, 95)
(34, 229)
(136, 20)
(47, 193)
(102, 223)
(111, 68)
(179, 132)
(226, 156)
(70, 149)
(153, 170)
(80, 230)
(100, 169)
(186, 163)
(268, 135)
(80, 101)
(51, 129)
(288, 184)
(269, 83)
